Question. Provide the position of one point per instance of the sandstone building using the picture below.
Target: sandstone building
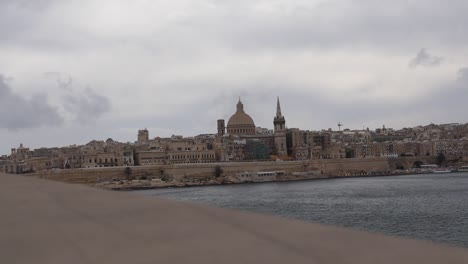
(174, 150)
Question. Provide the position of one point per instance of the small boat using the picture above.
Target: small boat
(441, 170)
(463, 169)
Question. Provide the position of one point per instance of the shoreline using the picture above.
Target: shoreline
(190, 175)
(139, 185)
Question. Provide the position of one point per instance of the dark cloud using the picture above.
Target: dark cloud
(18, 112)
(423, 58)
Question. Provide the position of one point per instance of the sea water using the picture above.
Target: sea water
(430, 207)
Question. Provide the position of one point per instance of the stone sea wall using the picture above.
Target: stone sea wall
(187, 172)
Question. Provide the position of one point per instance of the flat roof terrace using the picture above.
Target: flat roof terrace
(44, 221)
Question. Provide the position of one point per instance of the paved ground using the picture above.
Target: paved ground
(50, 222)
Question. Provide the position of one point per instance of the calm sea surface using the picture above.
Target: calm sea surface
(432, 207)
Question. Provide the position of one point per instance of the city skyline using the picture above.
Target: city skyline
(340, 127)
(71, 73)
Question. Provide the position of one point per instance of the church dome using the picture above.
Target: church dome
(240, 119)
(241, 122)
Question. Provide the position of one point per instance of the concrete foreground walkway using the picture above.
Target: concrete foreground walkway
(51, 222)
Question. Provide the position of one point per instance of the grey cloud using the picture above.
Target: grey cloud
(52, 33)
(17, 112)
(86, 106)
(63, 82)
(463, 75)
(448, 102)
(423, 58)
(338, 24)
(239, 25)
(28, 4)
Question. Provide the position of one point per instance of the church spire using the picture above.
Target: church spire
(279, 132)
(278, 109)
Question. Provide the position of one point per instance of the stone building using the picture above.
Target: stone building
(151, 157)
(321, 145)
(107, 153)
(175, 150)
(143, 136)
(3, 163)
(198, 156)
(230, 148)
(299, 143)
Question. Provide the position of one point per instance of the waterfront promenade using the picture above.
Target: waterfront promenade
(44, 221)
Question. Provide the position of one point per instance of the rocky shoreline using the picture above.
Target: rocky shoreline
(156, 183)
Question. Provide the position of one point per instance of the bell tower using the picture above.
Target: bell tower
(221, 127)
(279, 123)
(143, 136)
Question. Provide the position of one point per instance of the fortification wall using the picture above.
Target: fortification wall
(184, 171)
(341, 166)
(338, 166)
(177, 172)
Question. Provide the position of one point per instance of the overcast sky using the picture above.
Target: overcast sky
(73, 71)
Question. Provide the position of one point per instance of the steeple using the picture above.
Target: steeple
(278, 109)
(279, 121)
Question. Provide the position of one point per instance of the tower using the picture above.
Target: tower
(280, 131)
(143, 136)
(221, 127)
